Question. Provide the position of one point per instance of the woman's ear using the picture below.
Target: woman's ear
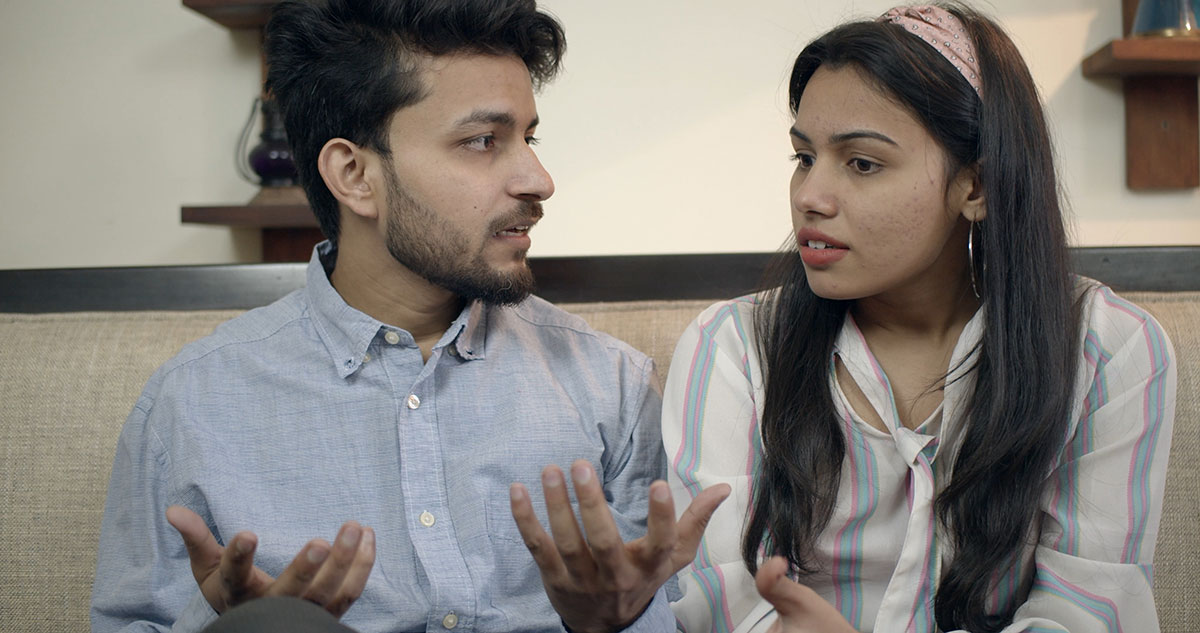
(967, 194)
(346, 169)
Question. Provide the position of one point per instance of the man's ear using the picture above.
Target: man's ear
(346, 169)
(967, 192)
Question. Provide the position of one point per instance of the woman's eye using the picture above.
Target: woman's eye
(804, 159)
(864, 166)
(532, 140)
(481, 143)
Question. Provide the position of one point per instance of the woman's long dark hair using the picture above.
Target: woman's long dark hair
(1024, 371)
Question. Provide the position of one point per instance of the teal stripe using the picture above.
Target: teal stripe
(1155, 404)
(847, 560)
(710, 581)
(703, 361)
(1102, 609)
(924, 616)
(1082, 444)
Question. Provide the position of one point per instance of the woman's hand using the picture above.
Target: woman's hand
(800, 609)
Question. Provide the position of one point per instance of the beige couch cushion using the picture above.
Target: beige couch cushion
(1177, 559)
(69, 380)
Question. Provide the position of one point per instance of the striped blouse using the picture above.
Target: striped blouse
(1089, 569)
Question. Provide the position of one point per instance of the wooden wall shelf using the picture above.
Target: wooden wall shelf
(1145, 56)
(1162, 109)
(234, 14)
(289, 231)
(251, 215)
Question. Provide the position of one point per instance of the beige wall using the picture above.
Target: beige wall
(666, 134)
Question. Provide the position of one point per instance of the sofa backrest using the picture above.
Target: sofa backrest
(70, 379)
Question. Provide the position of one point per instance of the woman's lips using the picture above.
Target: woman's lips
(819, 250)
(819, 254)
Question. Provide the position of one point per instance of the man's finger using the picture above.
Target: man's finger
(237, 568)
(299, 574)
(603, 538)
(537, 541)
(328, 582)
(695, 519)
(661, 532)
(203, 549)
(356, 577)
(568, 539)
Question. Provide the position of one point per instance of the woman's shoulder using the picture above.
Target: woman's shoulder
(1110, 321)
(728, 317)
(737, 307)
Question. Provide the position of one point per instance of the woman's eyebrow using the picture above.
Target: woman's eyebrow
(847, 136)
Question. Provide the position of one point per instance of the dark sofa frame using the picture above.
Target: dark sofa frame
(560, 279)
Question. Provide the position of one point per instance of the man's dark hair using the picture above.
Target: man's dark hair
(341, 68)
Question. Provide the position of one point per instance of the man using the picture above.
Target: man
(410, 382)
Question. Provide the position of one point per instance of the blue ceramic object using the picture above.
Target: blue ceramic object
(1169, 18)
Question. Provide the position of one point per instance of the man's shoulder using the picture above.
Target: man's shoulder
(552, 322)
(259, 326)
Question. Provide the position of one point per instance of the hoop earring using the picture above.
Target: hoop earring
(971, 257)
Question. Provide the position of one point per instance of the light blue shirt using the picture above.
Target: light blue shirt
(294, 418)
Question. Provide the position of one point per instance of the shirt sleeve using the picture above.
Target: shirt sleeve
(1101, 511)
(143, 577)
(711, 436)
(634, 457)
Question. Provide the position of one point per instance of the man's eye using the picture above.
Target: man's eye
(481, 143)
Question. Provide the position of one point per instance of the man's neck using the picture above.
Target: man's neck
(383, 289)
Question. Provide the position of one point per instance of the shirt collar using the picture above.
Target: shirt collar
(347, 332)
(472, 343)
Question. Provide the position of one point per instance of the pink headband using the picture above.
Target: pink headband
(941, 30)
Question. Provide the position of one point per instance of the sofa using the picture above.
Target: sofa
(76, 347)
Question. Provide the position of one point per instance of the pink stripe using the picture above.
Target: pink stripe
(1056, 499)
(692, 429)
(1042, 568)
(927, 564)
(835, 570)
(1133, 486)
(718, 595)
(880, 377)
(752, 434)
(693, 424)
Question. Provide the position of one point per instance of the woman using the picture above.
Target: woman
(930, 423)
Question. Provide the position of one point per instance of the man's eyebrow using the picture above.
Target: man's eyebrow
(847, 136)
(491, 117)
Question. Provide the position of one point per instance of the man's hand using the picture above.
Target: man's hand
(331, 576)
(601, 584)
(800, 609)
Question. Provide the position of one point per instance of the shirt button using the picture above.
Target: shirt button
(366, 358)
(427, 520)
(450, 621)
(413, 401)
(391, 337)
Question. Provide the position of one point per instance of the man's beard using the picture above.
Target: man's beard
(430, 247)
